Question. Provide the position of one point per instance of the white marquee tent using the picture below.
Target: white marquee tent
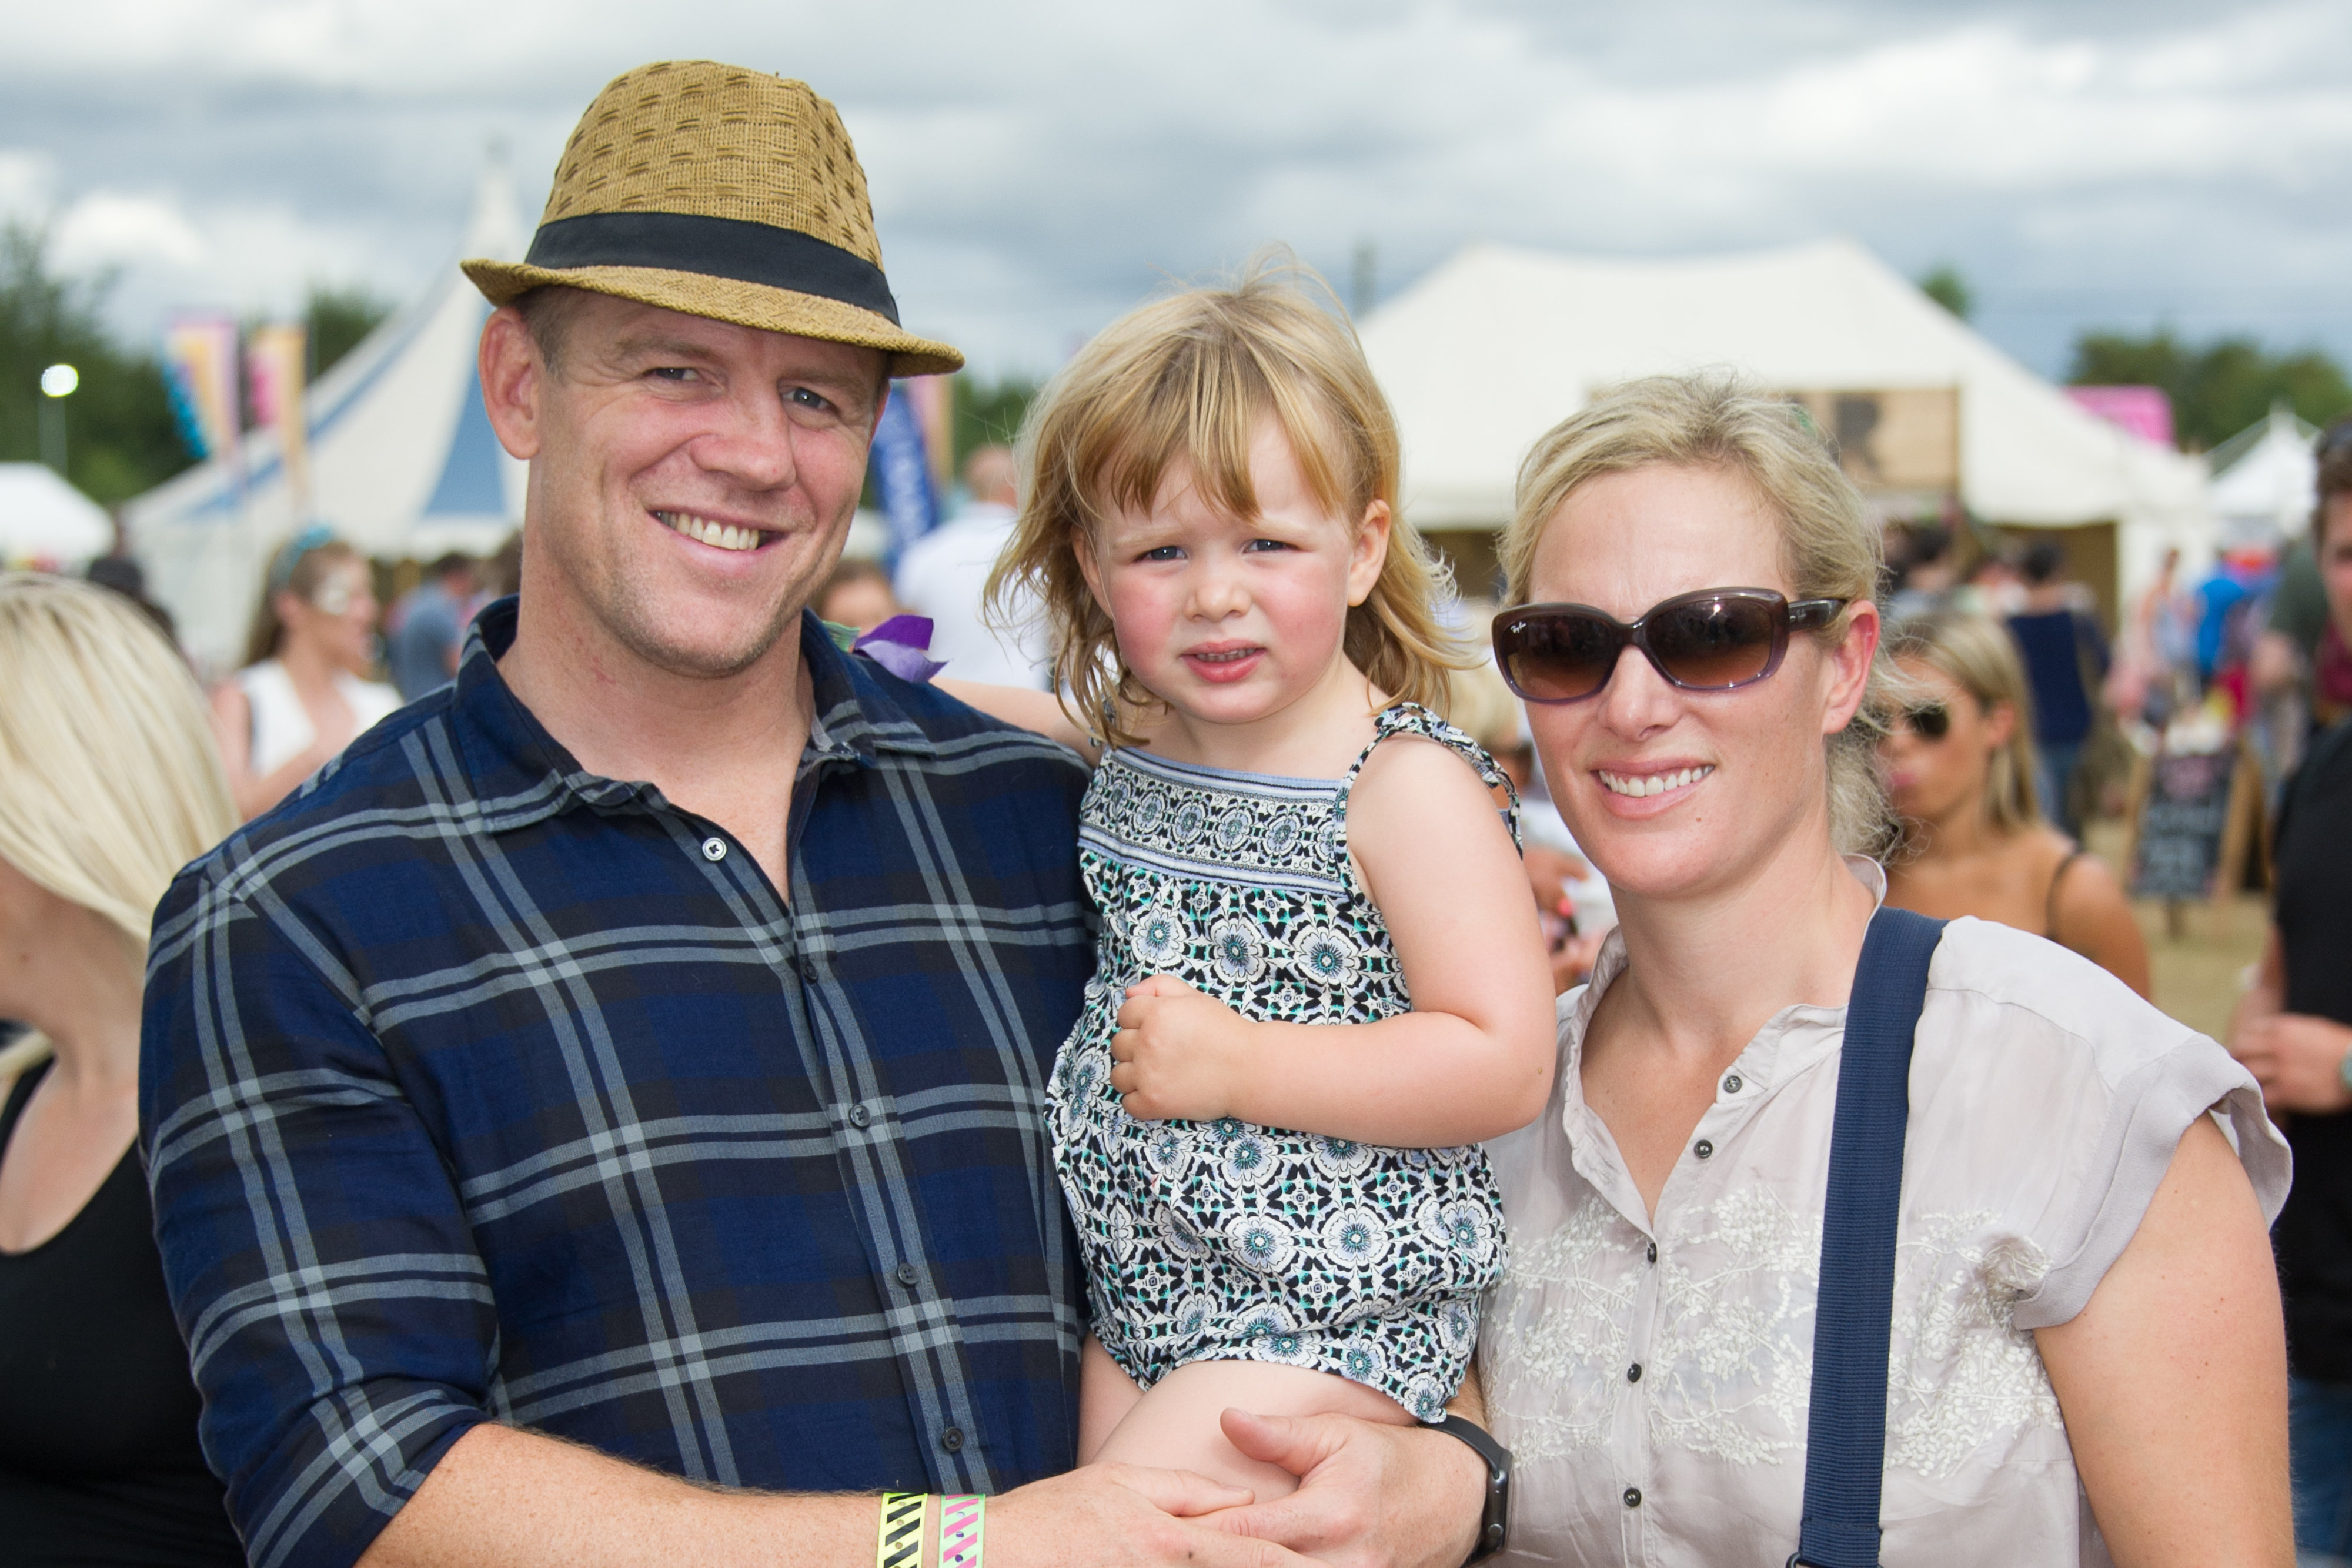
(2266, 480)
(402, 460)
(46, 523)
(1498, 344)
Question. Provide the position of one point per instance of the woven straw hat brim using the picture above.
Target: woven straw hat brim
(755, 305)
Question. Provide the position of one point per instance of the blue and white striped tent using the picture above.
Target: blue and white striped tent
(403, 463)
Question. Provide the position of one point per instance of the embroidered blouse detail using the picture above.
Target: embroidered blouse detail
(2046, 1103)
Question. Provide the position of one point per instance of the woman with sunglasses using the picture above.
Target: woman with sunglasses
(2085, 1359)
(307, 688)
(1961, 769)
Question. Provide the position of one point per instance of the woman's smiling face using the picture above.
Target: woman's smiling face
(1674, 792)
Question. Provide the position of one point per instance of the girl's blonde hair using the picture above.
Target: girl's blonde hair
(1981, 657)
(1189, 379)
(109, 779)
(1829, 547)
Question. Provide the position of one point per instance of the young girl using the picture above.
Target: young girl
(1320, 977)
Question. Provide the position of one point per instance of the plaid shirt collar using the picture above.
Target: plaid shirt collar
(524, 775)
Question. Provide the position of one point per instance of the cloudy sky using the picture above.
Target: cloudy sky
(1038, 166)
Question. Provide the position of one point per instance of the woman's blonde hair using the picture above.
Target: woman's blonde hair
(1981, 657)
(1829, 547)
(1188, 380)
(297, 566)
(110, 781)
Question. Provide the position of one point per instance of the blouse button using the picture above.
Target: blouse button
(1653, 1251)
(1633, 1372)
(714, 849)
(1732, 1084)
(1702, 1149)
(1633, 1497)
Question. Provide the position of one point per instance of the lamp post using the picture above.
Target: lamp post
(58, 383)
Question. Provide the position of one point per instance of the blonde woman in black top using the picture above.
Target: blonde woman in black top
(109, 783)
(1960, 769)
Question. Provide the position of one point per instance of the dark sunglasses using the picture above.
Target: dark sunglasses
(1712, 641)
(1931, 722)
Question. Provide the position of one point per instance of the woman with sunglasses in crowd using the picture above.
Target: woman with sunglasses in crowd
(307, 688)
(1961, 769)
(2086, 1363)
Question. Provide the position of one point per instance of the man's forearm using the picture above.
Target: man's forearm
(505, 1498)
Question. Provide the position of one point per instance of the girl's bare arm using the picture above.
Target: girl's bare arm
(1474, 1059)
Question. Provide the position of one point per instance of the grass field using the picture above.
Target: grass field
(2197, 972)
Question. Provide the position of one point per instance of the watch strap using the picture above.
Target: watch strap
(1495, 1519)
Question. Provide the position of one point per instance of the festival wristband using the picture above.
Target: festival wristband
(963, 1521)
(899, 1542)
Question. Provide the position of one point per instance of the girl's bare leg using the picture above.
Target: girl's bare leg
(1106, 1394)
(1174, 1425)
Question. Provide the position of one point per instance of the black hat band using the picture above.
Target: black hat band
(715, 247)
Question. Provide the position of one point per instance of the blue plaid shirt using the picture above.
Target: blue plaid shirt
(476, 1087)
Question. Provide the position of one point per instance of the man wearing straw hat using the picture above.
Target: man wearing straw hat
(610, 1096)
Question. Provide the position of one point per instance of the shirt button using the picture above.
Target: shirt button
(1653, 1251)
(908, 1275)
(807, 968)
(952, 1440)
(1732, 1085)
(1633, 1372)
(859, 1115)
(1702, 1149)
(714, 847)
(1633, 1497)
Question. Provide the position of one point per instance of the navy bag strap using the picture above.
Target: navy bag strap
(1845, 1433)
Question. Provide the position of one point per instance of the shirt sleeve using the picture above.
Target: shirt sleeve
(339, 1319)
(2067, 1095)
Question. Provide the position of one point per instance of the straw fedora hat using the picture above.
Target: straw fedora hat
(724, 192)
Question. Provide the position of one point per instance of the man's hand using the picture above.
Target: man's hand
(2297, 1060)
(1125, 1516)
(1178, 1054)
(1370, 1496)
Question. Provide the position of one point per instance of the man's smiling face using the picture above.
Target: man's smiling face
(692, 480)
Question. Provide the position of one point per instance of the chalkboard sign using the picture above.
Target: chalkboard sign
(2182, 824)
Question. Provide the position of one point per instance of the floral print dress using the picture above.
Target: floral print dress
(1224, 1240)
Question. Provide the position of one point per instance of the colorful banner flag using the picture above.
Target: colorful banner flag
(200, 368)
(902, 472)
(275, 360)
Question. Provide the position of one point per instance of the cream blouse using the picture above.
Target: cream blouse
(1652, 1380)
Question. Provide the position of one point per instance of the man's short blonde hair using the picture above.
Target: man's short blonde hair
(110, 781)
(1830, 549)
(1189, 379)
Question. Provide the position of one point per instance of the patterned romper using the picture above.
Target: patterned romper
(1226, 1242)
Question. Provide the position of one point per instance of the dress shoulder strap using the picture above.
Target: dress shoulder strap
(2050, 900)
(1412, 719)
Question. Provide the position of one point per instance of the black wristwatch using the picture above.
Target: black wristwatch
(1495, 1524)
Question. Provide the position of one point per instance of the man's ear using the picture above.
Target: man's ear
(514, 382)
(1369, 552)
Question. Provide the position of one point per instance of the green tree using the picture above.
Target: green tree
(120, 439)
(1948, 288)
(989, 413)
(337, 319)
(2219, 388)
